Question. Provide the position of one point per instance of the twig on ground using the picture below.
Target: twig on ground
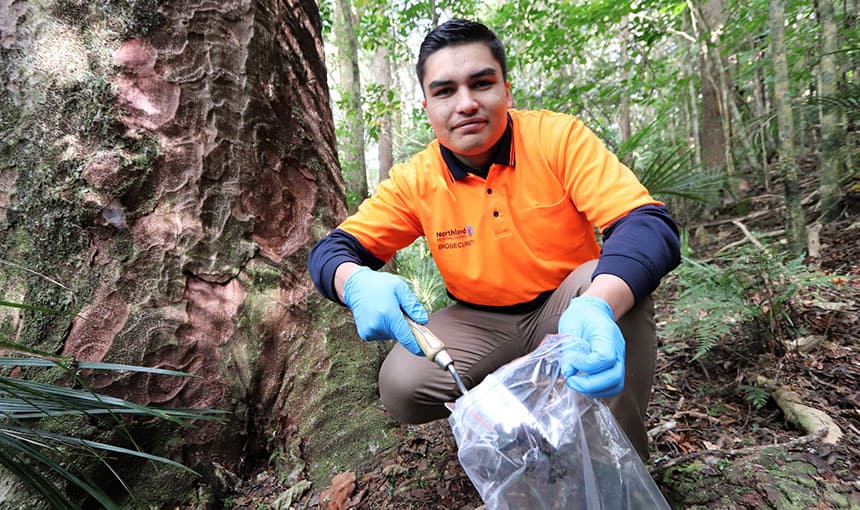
(697, 414)
(742, 451)
(808, 199)
(659, 429)
(746, 240)
(750, 216)
(748, 234)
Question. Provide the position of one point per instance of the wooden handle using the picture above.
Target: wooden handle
(430, 344)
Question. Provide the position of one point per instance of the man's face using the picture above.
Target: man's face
(466, 100)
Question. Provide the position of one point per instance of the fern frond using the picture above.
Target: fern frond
(755, 395)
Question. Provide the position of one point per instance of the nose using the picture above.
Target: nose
(466, 102)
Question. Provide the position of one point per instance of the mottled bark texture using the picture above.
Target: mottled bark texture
(164, 169)
(832, 130)
(712, 135)
(795, 225)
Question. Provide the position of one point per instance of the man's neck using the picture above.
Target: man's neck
(478, 166)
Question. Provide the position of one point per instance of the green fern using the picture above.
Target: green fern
(746, 287)
(755, 395)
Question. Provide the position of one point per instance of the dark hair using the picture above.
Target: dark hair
(459, 31)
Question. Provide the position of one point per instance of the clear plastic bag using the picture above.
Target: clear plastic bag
(529, 442)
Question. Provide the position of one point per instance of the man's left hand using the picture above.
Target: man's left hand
(593, 354)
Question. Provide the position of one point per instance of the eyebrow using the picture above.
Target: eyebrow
(489, 71)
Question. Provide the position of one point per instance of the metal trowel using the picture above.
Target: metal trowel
(489, 402)
(435, 350)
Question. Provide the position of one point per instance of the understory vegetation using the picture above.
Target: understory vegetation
(50, 418)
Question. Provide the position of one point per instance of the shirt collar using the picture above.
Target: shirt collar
(503, 155)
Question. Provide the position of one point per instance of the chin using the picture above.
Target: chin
(469, 149)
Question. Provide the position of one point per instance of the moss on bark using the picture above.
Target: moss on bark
(347, 426)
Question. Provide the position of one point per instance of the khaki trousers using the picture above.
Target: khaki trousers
(414, 390)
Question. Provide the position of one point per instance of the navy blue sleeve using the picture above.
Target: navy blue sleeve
(333, 250)
(641, 248)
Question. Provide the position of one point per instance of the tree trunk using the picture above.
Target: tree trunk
(352, 143)
(795, 221)
(851, 117)
(163, 174)
(832, 134)
(761, 109)
(711, 123)
(385, 148)
(695, 138)
(624, 106)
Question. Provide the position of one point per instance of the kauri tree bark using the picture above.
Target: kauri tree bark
(165, 167)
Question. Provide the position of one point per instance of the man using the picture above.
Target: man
(508, 201)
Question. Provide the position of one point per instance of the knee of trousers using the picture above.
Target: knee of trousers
(405, 392)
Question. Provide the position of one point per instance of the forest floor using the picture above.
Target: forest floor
(697, 405)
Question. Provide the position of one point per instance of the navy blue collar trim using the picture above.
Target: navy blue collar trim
(503, 155)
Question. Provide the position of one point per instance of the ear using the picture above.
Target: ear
(508, 97)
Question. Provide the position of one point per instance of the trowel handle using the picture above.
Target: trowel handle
(429, 342)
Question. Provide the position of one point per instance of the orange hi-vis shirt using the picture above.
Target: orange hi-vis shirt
(506, 239)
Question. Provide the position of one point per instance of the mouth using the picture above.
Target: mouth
(470, 125)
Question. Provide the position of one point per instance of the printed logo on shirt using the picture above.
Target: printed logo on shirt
(455, 238)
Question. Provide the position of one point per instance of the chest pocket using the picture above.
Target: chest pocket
(554, 232)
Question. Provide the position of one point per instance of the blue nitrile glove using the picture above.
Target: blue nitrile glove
(378, 301)
(592, 358)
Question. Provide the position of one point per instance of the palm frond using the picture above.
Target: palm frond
(671, 172)
(416, 265)
(846, 99)
(23, 399)
(637, 140)
(667, 171)
(47, 437)
(19, 454)
(39, 458)
(91, 365)
(33, 478)
(30, 451)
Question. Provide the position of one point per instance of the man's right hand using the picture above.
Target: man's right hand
(378, 301)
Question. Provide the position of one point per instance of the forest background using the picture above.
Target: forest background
(165, 167)
(742, 116)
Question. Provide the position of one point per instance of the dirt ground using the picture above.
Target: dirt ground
(696, 405)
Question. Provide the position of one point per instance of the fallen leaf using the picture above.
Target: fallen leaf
(337, 496)
(394, 469)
